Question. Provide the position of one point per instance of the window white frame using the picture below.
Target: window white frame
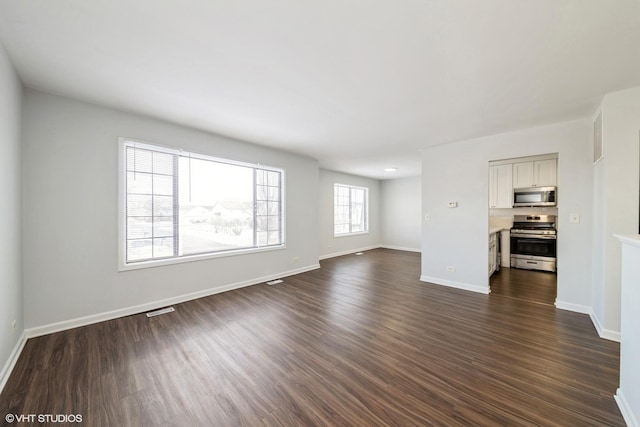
(345, 210)
(124, 264)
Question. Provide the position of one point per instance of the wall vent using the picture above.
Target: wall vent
(159, 312)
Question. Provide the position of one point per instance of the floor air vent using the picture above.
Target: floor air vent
(159, 312)
(274, 282)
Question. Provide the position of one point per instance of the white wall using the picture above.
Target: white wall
(628, 395)
(70, 213)
(616, 192)
(334, 246)
(400, 212)
(11, 295)
(459, 237)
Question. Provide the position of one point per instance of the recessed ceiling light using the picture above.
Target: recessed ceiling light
(390, 169)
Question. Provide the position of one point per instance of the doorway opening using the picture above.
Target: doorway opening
(523, 228)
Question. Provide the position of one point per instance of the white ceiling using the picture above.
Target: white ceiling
(358, 84)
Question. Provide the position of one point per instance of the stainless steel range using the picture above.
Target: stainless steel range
(533, 242)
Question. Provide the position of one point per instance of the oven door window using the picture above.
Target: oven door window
(533, 246)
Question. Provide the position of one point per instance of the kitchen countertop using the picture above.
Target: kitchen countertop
(497, 229)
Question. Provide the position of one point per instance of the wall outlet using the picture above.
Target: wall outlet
(295, 259)
(427, 216)
(13, 326)
(451, 269)
(574, 218)
(452, 204)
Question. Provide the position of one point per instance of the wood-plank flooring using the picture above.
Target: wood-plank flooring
(528, 285)
(359, 342)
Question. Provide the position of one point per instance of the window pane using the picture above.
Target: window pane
(273, 178)
(139, 249)
(341, 228)
(212, 205)
(261, 208)
(149, 203)
(273, 222)
(138, 205)
(139, 160)
(262, 238)
(163, 163)
(261, 177)
(216, 206)
(163, 185)
(350, 209)
(162, 247)
(139, 227)
(273, 237)
(273, 208)
(139, 183)
(162, 205)
(163, 227)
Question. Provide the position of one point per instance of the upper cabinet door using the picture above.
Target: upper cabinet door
(546, 173)
(523, 175)
(500, 186)
(540, 173)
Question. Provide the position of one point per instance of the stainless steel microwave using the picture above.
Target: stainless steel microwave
(534, 196)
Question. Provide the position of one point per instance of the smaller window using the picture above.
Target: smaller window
(350, 209)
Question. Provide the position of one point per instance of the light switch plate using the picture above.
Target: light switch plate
(574, 218)
(427, 217)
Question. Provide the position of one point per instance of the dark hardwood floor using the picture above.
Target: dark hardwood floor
(527, 285)
(360, 341)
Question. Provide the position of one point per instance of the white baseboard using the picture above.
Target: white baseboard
(401, 248)
(625, 408)
(457, 285)
(348, 252)
(606, 334)
(576, 308)
(114, 314)
(13, 358)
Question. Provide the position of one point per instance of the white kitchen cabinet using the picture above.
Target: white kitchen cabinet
(545, 173)
(539, 173)
(493, 253)
(500, 186)
(505, 248)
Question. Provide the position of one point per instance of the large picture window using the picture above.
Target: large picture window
(184, 205)
(350, 209)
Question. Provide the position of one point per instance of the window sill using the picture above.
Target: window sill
(191, 258)
(351, 234)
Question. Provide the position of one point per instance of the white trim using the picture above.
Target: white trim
(401, 248)
(13, 358)
(457, 285)
(606, 334)
(625, 408)
(599, 114)
(114, 314)
(366, 209)
(197, 257)
(357, 233)
(550, 156)
(123, 265)
(577, 308)
(348, 252)
(629, 239)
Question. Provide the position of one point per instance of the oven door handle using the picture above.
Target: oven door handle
(535, 236)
